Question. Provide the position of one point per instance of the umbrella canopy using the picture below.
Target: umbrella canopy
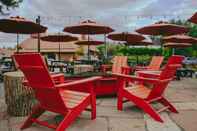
(20, 25)
(162, 28)
(177, 45)
(193, 18)
(88, 27)
(85, 42)
(59, 38)
(124, 36)
(139, 43)
(180, 39)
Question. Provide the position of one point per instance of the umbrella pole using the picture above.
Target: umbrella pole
(88, 48)
(17, 46)
(59, 52)
(105, 46)
(173, 51)
(59, 57)
(38, 21)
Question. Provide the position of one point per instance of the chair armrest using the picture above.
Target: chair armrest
(140, 79)
(104, 68)
(58, 78)
(126, 70)
(149, 74)
(78, 82)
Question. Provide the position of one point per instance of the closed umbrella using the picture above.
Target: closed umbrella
(19, 25)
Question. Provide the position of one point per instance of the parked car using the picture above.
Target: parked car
(190, 61)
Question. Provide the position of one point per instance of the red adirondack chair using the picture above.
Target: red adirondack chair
(175, 59)
(143, 96)
(119, 65)
(154, 64)
(53, 97)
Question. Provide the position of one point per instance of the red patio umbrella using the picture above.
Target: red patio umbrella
(162, 28)
(140, 43)
(193, 19)
(180, 39)
(177, 45)
(86, 42)
(125, 36)
(89, 27)
(59, 38)
(19, 25)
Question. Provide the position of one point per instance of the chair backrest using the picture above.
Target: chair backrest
(118, 63)
(167, 73)
(39, 79)
(155, 63)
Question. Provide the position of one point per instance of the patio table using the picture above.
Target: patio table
(19, 98)
(83, 68)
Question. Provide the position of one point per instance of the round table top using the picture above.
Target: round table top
(14, 74)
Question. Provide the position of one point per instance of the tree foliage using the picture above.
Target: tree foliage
(5, 5)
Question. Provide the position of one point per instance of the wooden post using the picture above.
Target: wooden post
(19, 98)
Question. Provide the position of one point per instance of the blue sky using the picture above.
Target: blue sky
(122, 15)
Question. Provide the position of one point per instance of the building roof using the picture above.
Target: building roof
(30, 45)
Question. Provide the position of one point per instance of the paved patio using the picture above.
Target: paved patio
(183, 94)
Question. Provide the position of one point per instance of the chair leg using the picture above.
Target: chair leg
(36, 112)
(165, 102)
(93, 106)
(120, 102)
(68, 119)
(145, 107)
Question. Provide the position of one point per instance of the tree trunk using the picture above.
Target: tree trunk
(19, 98)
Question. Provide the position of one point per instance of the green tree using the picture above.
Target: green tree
(5, 5)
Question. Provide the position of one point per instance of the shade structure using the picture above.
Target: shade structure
(180, 39)
(88, 27)
(193, 19)
(125, 36)
(88, 43)
(162, 28)
(59, 38)
(139, 43)
(20, 25)
(177, 45)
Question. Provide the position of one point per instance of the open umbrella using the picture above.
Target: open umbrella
(193, 18)
(59, 38)
(139, 43)
(162, 28)
(88, 27)
(86, 42)
(19, 25)
(179, 39)
(177, 45)
(125, 36)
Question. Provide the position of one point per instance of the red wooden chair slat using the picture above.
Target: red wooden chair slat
(54, 97)
(143, 96)
(154, 64)
(120, 65)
